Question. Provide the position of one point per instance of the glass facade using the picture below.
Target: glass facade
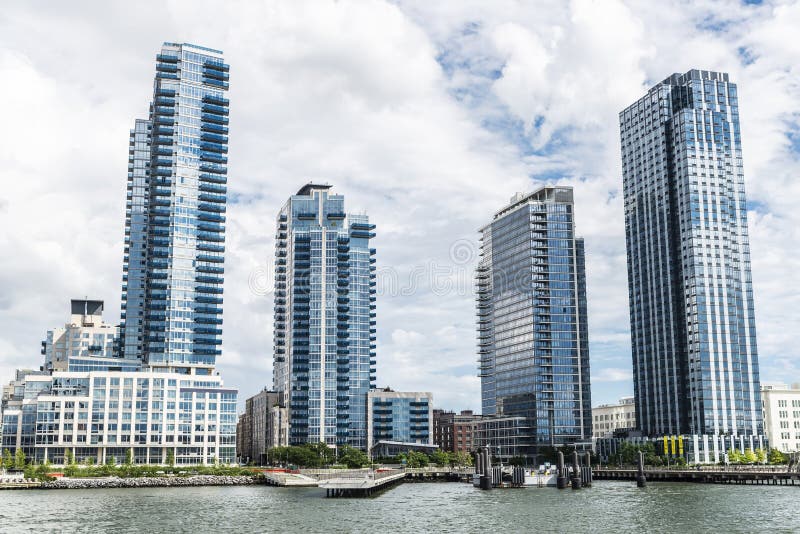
(404, 417)
(695, 362)
(100, 415)
(532, 325)
(174, 232)
(151, 390)
(324, 362)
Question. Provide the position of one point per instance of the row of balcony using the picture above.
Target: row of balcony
(213, 127)
(211, 217)
(216, 82)
(213, 168)
(213, 137)
(209, 247)
(209, 258)
(208, 310)
(213, 178)
(214, 99)
(214, 147)
(214, 157)
(208, 300)
(210, 236)
(214, 108)
(214, 118)
(211, 269)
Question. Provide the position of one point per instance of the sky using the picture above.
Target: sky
(428, 116)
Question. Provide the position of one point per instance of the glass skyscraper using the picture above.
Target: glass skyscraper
(324, 359)
(695, 363)
(162, 402)
(532, 326)
(174, 231)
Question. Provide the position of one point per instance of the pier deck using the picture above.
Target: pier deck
(19, 484)
(362, 486)
(294, 480)
(707, 476)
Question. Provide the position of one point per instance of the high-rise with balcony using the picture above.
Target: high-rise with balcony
(175, 217)
(532, 324)
(324, 354)
(160, 401)
(693, 334)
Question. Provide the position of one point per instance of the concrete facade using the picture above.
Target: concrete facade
(262, 426)
(607, 418)
(781, 409)
(83, 340)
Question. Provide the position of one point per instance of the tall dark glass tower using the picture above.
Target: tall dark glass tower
(532, 325)
(693, 334)
(324, 359)
(174, 229)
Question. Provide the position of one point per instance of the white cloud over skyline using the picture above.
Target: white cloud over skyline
(428, 116)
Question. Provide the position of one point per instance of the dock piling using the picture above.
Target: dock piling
(640, 479)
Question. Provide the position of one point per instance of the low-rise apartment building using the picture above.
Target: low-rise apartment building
(399, 417)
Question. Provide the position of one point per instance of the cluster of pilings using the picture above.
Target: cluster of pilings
(578, 475)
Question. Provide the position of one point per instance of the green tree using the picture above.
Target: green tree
(8, 460)
(171, 458)
(42, 470)
(462, 458)
(19, 459)
(277, 455)
(417, 459)
(352, 457)
(735, 457)
(441, 458)
(628, 454)
(303, 456)
(776, 457)
(129, 457)
(761, 456)
(111, 461)
(749, 456)
(325, 454)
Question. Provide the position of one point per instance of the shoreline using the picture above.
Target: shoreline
(148, 482)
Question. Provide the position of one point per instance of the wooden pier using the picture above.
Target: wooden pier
(704, 476)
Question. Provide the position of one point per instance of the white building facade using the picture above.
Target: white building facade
(101, 407)
(607, 418)
(82, 340)
(781, 410)
(102, 415)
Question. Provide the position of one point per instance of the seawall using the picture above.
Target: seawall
(149, 482)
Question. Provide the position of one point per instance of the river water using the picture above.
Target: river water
(608, 506)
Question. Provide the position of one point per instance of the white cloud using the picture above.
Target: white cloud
(426, 115)
(611, 374)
